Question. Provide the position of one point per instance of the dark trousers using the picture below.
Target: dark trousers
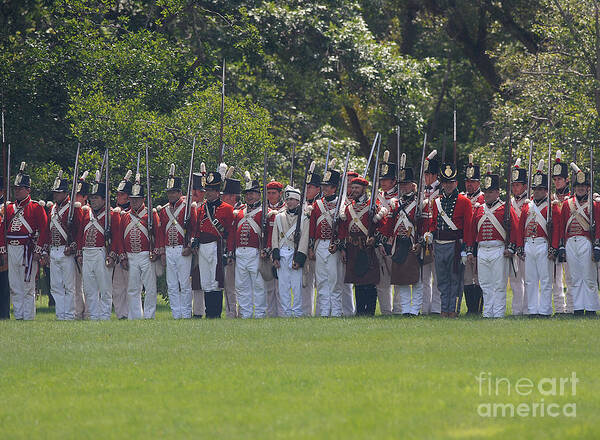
(366, 299)
(214, 303)
(4, 296)
(474, 299)
(449, 275)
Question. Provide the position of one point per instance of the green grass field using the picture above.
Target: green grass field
(304, 378)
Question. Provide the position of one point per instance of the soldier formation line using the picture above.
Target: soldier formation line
(328, 249)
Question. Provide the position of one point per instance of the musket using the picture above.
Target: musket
(591, 196)
(529, 169)
(419, 208)
(6, 189)
(398, 161)
(374, 192)
(292, 165)
(340, 203)
(149, 204)
(508, 204)
(263, 215)
(377, 136)
(73, 193)
(549, 211)
(188, 198)
(137, 167)
(327, 157)
(309, 170)
(454, 157)
(221, 145)
(107, 216)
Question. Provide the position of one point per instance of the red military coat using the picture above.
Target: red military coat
(171, 231)
(27, 226)
(133, 236)
(58, 230)
(576, 224)
(215, 225)
(461, 215)
(531, 226)
(484, 229)
(91, 232)
(247, 228)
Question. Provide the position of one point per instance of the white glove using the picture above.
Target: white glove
(463, 259)
(428, 237)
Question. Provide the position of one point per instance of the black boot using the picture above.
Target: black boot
(578, 313)
(214, 303)
(470, 300)
(590, 314)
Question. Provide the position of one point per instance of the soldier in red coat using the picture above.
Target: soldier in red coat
(96, 251)
(537, 246)
(176, 252)
(120, 275)
(488, 230)
(232, 190)
(244, 245)
(63, 247)
(275, 203)
(83, 188)
(472, 289)
(24, 243)
(362, 268)
(214, 223)
(520, 182)
(450, 224)
(581, 250)
(562, 297)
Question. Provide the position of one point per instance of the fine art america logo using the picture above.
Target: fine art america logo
(535, 393)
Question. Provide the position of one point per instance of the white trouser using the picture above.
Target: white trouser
(119, 292)
(23, 293)
(249, 283)
(290, 284)
(308, 287)
(207, 264)
(384, 288)
(402, 298)
(348, 303)
(231, 310)
(583, 281)
(97, 283)
(141, 273)
(432, 302)
(558, 289)
(517, 284)
(81, 311)
(179, 283)
(328, 271)
(493, 273)
(538, 277)
(62, 282)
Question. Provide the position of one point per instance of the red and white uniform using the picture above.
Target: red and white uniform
(272, 287)
(136, 243)
(26, 235)
(517, 281)
(470, 276)
(120, 281)
(575, 233)
(329, 268)
(213, 224)
(536, 244)
(563, 301)
(171, 237)
(408, 299)
(487, 229)
(63, 268)
(432, 302)
(97, 277)
(244, 243)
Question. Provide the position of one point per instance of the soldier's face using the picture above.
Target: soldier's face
(581, 190)
(252, 197)
(173, 196)
(59, 197)
(471, 186)
(430, 178)
(349, 187)
(518, 188)
(212, 194)
(491, 195)
(386, 184)
(96, 202)
(328, 190)
(407, 187)
(292, 203)
(312, 191)
(273, 196)
(356, 191)
(122, 198)
(197, 195)
(21, 192)
(136, 202)
(540, 193)
(81, 199)
(449, 186)
(229, 198)
(559, 182)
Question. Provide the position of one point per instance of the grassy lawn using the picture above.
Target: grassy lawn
(304, 378)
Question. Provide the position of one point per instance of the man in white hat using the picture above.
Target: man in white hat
(288, 259)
